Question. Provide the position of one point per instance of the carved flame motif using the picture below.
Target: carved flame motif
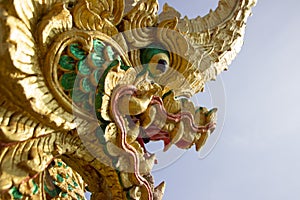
(85, 84)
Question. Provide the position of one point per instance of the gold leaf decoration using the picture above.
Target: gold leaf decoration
(57, 21)
(22, 47)
(23, 52)
(179, 48)
(219, 34)
(168, 13)
(38, 93)
(136, 23)
(72, 181)
(20, 161)
(49, 44)
(98, 15)
(113, 78)
(17, 125)
(15, 165)
(30, 11)
(27, 11)
(85, 18)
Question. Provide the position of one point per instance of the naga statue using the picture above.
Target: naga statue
(86, 84)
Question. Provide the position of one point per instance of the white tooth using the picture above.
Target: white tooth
(111, 133)
(179, 133)
(201, 141)
(148, 117)
(159, 191)
(131, 105)
(160, 122)
(200, 117)
(138, 147)
(135, 193)
(133, 133)
(169, 127)
(113, 150)
(175, 135)
(212, 115)
(147, 165)
(126, 180)
(189, 137)
(188, 106)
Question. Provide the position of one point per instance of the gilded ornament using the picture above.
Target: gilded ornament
(86, 84)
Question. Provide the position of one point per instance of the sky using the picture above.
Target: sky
(257, 156)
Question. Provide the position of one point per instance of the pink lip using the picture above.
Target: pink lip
(154, 133)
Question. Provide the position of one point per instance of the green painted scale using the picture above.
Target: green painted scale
(82, 75)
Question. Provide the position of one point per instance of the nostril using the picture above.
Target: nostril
(162, 65)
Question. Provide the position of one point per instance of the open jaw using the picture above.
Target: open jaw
(178, 129)
(147, 120)
(139, 111)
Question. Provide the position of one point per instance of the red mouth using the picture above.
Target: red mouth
(155, 133)
(183, 122)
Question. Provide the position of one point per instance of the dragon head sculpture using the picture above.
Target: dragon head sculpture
(85, 84)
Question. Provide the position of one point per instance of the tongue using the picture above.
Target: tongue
(183, 144)
(156, 134)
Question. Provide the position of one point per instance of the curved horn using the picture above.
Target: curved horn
(216, 38)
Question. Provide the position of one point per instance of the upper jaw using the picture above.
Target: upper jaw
(157, 115)
(184, 128)
(143, 111)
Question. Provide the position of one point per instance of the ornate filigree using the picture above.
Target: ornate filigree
(85, 84)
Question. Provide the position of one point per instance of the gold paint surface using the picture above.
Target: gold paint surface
(42, 132)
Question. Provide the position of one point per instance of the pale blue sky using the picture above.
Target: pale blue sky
(258, 154)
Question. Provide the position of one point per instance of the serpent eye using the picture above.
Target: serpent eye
(159, 64)
(155, 60)
(162, 65)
